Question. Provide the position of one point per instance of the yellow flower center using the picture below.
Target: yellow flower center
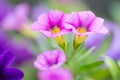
(59, 39)
(82, 30)
(79, 39)
(55, 30)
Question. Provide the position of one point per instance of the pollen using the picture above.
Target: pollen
(82, 30)
(78, 39)
(59, 39)
(55, 30)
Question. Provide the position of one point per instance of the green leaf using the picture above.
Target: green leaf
(118, 63)
(90, 66)
(86, 54)
(30, 73)
(83, 77)
(101, 74)
(79, 57)
(113, 67)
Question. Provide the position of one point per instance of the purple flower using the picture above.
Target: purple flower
(3, 41)
(16, 18)
(7, 73)
(55, 74)
(84, 23)
(97, 39)
(21, 51)
(5, 8)
(94, 40)
(50, 60)
(51, 24)
(114, 49)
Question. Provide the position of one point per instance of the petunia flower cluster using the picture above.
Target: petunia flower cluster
(55, 24)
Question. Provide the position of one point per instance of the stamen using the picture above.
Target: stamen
(55, 30)
(59, 39)
(81, 30)
(78, 39)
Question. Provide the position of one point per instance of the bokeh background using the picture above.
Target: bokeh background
(16, 17)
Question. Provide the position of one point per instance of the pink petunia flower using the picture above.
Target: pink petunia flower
(84, 23)
(55, 74)
(51, 24)
(50, 60)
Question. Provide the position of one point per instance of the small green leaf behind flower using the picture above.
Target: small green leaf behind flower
(113, 67)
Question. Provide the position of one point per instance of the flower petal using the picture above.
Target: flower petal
(12, 74)
(86, 18)
(16, 18)
(63, 31)
(42, 23)
(5, 59)
(50, 59)
(38, 26)
(79, 19)
(72, 21)
(47, 22)
(114, 49)
(95, 40)
(55, 74)
(55, 17)
(98, 27)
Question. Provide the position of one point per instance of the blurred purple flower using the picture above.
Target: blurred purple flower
(114, 49)
(51, 24)
(97, 39)
(16, 17)
(94, 40)
(5, 8)
(50, 60)
(55, 74)
(3, 41)
(39, 9)
(7, 73)
(21, 51)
